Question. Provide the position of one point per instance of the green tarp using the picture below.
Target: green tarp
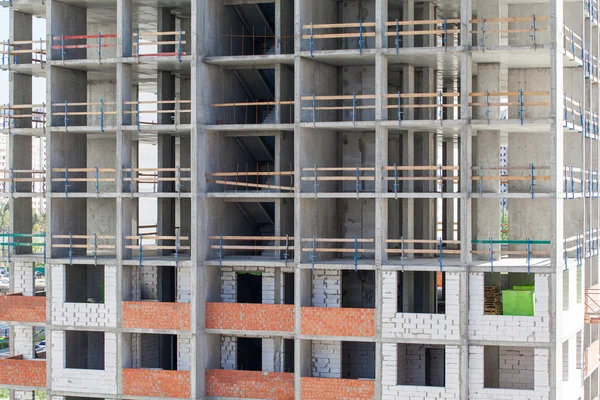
(518, 301)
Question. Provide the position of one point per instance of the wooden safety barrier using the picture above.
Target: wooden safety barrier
(282, 246)
(10, 114)
(444, 174)
(572, 44)
(157, 243)
(357, 250)
(501, 175)
(107, 244)
(242, 179)
(145, 39)
(154, 176)
(13, 177)
(440, 27)
(336, 174)
(11, 49)
(407, 248)
(260, 107)
(81, 175)
(362, 29)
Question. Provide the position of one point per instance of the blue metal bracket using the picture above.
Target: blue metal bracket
(577, 250)
(141, 251)
(312, 42)
(70, 248)
(397, 41)
(66, 115)
(44, 249)
(11, 176)
(99, 47)
(62, 47)
(360, 38)
(357, 180)
(533, 36)
(316, 183)
(572, 183)
(441, 100)
(179, 45)
(354, 107)
(137, 109)
(399, 109)
(66, 182)
(565, 117)
(355, 254)
(441, 178)
(402, 251)
(97, 181)
(566, 181)
(396, 180)
(313, 256)
(220, 252)
(101, 115)
(521, 110)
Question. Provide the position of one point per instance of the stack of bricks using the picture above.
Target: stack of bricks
(492, 301)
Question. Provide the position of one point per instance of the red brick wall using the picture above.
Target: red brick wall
(155, 315)
(23, 309)
(336, 389)
(338, 321)
(250, 384)
(250, 317)
(30, 373)
(156, 383)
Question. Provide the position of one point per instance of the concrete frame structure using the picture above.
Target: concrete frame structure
(354, 165)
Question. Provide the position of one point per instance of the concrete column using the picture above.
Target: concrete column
(381, 204)
(426, 13)
(408, 86)
(381, 87)
(488, 9)
(408, 205)
(166, 23)
(408, 14)
(424, 215)
(20, 29)
(166, 91)
(449, 218)
(166, 206)
(124, 29)
(425, 83)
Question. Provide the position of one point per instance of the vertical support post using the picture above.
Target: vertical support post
(179, 180)
(311, 40)
(314, 115)
(101, 115)
(141, 247)
(70, 248)
(528, 255)
(397, 41)
(66, 182)
(179, 46)
(533, 35)
(357, 180)
(316, 184)
(137, 113)
(97, 181)
(313, 253)
(441, 255)
(399, 108)
(99, 48)
(354, 108)
(176, 248)
(355, 254)
(66, 115)
(62, 47)
(137, 43)
(360, 38)
(492, 254)
(287, 248)
(220, 253)
(482, 41)
(521, 110)
(395, 181)
(532, 181)
(95, 249)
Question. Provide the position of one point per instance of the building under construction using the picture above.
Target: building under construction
(315, 199)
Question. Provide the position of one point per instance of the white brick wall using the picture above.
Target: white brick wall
(326, 359)
(419, 326)
(390, 371)
(478, 392)
(84, 314)
(229, 283)
(184, 353)
(271, 358)
(327, 288)
(84, 380)
(228, 352)
(23, 341)
(24, 278)
(507, 327)
(184, 284)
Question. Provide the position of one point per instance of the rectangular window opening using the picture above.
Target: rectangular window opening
(421, 292)
(509, 294)
(421, 365)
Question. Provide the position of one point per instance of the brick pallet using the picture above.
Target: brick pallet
(492, 301)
